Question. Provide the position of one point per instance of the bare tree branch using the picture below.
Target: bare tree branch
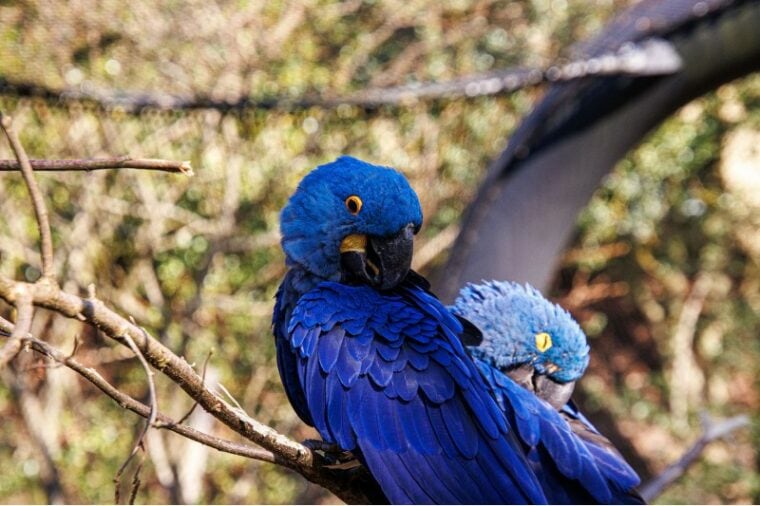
(686, 377)
(40, 211)
(433, 247)
(127, 402)
(36, 424)
(711, 432)
(116, 327)
(6, 327)
(203, 378)
(90, 164)
(140, 441)
(24, 311)
(349, 486)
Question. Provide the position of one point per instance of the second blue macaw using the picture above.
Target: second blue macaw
(526, 340)
(536, 343)
(375, 362)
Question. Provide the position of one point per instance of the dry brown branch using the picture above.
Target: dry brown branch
(6, 327)
(37, 425)
(116, 327)
(203, 379)
(710, 432)
(24, 311)
(90, 164)
(431, 249)
(355, 486)
(584, 294)
(143, 410)
(686, 377)
(40, 211)
(140, 441)
(349, 486)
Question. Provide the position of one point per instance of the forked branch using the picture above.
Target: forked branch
(351, 486)
(711, 431)
(40, 211)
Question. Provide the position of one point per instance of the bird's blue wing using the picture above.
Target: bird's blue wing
(287, 363)
(571, 411)
(608, 458)
(573, 469)
(384, 375)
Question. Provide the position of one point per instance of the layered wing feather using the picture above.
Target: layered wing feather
(608, 457)
(573, 469)
(385, 375)
(287, 363)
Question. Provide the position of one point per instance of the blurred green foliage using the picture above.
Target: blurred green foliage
(197, 260)
(685, 207)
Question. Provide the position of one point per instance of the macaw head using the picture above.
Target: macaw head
(352, 221)
(520, 327)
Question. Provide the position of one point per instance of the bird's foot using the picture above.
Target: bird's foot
(337, 458)
(317, 445)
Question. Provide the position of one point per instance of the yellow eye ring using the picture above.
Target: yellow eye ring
(543, 341)
(354, 204)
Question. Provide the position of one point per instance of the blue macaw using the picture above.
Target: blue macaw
(372, 360)
(528, 341)
(375, 362)
(536, 343)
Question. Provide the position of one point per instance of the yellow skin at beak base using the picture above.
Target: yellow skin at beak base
(354, 242)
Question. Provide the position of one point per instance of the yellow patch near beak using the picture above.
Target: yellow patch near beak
(354, 242)
(543, 341)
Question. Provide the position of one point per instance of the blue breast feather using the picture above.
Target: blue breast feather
(384, 375)
(573, 470)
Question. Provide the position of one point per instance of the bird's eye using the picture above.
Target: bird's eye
(543, 341)
(354, 204)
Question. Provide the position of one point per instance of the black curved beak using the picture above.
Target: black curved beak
(381, 262)
(555, 393)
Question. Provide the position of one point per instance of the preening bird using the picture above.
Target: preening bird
(375, 362)
(538, 345)
(534, 342)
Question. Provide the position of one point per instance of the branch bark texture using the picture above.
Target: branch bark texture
(40, 211)
(90, 164)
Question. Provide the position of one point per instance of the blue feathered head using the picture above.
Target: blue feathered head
(351, 219)
(520, 326)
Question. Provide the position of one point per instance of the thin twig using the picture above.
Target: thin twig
(37, 425)
(711, 432)
(136, 477)
(90, 164)
(24, 313)
(203, 379)
(685, 375)
(351, 487)
(231, 398)
(140, 441)
(6, 327)
(143, 410)
(431, 249)
(40, 211)
(162, 358)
